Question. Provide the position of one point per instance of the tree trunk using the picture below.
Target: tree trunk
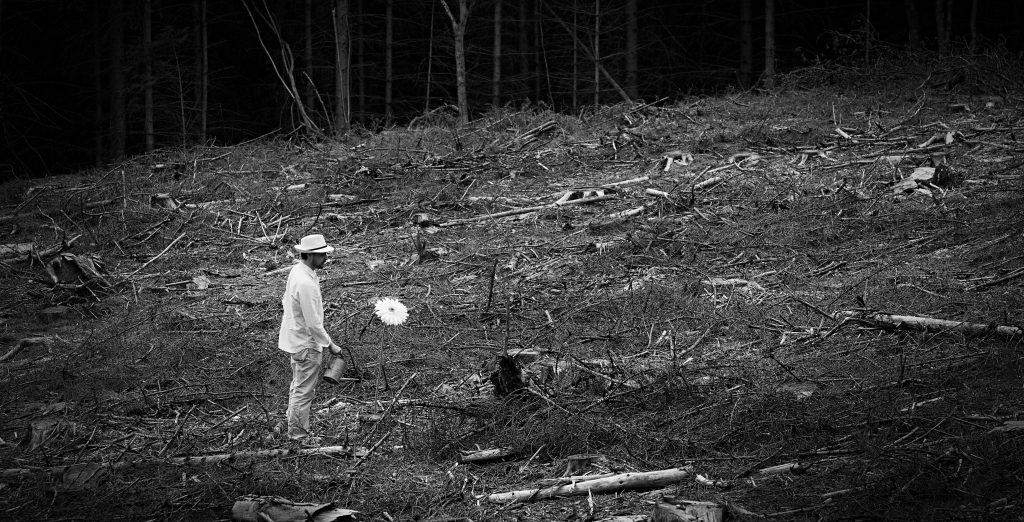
(632, 72)
(307, 26)
(941, 28)
(867, 33)
(524, 42)
(496, 71)
(769, 44)
(203, 70)
(388, 59)
(538, 53)
(974, 26)
(913, 25)
(147, 72)
(575, 56)
(459, 32)
(597, 53)
(430, 60)
(360, 38)
(746, 44)
(342, 110)
(118, 118)
(98, 121)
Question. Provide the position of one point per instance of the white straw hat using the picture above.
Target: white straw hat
(313, 244)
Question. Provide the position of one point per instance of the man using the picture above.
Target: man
(302, 332)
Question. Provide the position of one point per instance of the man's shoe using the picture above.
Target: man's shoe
(309, 442)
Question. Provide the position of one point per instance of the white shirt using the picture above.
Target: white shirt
(302, 325)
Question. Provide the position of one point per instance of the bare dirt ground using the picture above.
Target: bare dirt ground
(716, 314)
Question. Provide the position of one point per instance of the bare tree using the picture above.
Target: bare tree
(286, 71)
(496, 71)
(590, 54)
(746, 43)
(430, 61)
(459, 31)
(769, 44)
(147, 72)
(342, 73)
(632, 72)
(118, 117)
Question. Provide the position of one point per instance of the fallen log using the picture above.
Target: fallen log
(278, 509)
(486, 455)
(613, 484)
(28, 341)
(673, 510)
(928, 324)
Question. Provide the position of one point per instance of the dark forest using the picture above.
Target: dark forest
(74, 74)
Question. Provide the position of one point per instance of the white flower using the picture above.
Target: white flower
(391, 311)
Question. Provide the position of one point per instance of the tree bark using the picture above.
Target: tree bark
(118, 117)
(769, 44)
(496, 70)
(746, 44)
(147, 72)
(342, 93)
(632, 66)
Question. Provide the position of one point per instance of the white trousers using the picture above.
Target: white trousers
(305, 372)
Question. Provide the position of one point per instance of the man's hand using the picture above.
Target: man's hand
(335, 349)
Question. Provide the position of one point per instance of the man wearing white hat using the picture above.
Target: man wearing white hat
(302, 332)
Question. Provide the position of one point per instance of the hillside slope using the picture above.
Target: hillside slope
(695, 283)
